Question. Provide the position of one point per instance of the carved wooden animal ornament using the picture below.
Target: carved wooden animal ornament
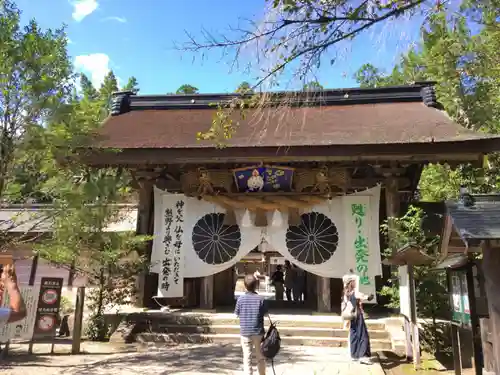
(322, 181)
(205, 186)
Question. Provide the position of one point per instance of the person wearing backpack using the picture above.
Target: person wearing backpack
(251, 309)
(352, 312)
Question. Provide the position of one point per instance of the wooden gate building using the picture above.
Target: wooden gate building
(337, 141)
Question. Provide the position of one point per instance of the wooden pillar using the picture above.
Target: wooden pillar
(145, 217)
(457, 353)
(488, 355)
(207, 292)
(474, 320)
(405, 273)
(324, 298)
(491, 265)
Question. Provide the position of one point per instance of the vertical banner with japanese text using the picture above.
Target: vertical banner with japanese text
(47, 311)
(362, 256)
(171, 283)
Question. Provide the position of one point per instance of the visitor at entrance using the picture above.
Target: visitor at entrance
(299, 284)
(277, 280)
(251, 309)
(359, 341)
(289, 280)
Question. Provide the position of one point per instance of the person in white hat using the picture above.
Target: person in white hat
(359, 341)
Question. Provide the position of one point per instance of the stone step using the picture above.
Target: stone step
(284, 331)
(309, 321)
(183, 338)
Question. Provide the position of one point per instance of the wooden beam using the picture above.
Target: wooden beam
(289, 202)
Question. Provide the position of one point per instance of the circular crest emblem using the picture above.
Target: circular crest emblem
(214, 242)
(314, 241)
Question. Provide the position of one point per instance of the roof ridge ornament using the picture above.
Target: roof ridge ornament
(120, 102)
(429, 97)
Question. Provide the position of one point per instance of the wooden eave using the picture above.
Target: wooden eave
(452, 243)
(468, 151)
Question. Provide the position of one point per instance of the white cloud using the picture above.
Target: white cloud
(82, 8)
(115, 18)
(95, 65)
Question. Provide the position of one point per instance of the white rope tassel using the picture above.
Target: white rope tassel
(247, 219)
(277, 220)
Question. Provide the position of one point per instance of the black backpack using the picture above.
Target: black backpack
(271, 343)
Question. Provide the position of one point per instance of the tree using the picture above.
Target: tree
(313, 86)
(187, 90)
(300, 33)
(35, 76)
(132, 85)
(108, 87)
(86, 206)
(88, 90)
(244, 88)
(464, 66)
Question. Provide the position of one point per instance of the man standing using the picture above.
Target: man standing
(251, 309)
(289, 280)
(299, 284)
(16, 310)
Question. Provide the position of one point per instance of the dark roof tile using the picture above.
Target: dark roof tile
(479, 222)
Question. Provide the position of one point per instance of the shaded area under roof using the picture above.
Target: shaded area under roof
(479, 222)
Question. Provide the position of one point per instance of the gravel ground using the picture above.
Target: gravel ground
(106, 359)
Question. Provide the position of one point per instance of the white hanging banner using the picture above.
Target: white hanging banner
(213, 247)
(372, 227)
(22, 329)
(171, 278)
(325, 242)
(199, 244)
(318, 244)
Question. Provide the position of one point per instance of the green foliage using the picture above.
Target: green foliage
(86, 204)
(66, 306)
(187, 90)
(313, 86)
(132, 85)
(108, 87)
(430, 287)
(464, 63)
(34, 80)
(88, 90)
(244, 88)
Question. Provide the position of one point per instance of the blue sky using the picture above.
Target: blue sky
(137, 38)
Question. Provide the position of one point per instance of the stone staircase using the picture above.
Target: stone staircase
(194, 327)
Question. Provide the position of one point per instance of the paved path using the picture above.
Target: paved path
(187, 360)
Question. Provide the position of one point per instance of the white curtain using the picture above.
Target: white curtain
(207, 246)
(335, 237)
